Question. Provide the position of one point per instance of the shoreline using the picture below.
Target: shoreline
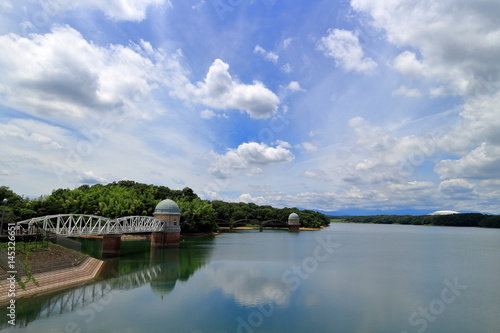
(257, 228)
(51, 281)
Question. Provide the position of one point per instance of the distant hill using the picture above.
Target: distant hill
(370, 212)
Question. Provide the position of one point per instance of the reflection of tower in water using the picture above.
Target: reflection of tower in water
(168, 260)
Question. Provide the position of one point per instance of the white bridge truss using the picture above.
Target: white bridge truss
(83, 225)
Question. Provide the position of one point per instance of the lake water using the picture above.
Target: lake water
(345, 278)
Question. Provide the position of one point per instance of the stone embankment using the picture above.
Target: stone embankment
(54, 280)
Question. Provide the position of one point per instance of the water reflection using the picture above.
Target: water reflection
(160, 268)
(164, 282)
(249, 285)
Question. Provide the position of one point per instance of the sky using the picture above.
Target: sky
(330, 105)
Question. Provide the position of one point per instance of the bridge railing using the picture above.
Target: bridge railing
(80, 225)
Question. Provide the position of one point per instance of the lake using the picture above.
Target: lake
(345, 278)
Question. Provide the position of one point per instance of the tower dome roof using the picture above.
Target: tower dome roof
(167, 206)
(293, 216)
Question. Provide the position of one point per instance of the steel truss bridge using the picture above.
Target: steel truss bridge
(71, 225)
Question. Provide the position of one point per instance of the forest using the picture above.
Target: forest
(127, 198)
(455, 220)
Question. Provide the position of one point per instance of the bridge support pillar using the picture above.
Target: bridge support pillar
(168, 239)
(111, 246)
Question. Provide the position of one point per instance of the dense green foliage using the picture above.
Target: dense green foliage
(457, 220)
(128, 198)
(252, 213)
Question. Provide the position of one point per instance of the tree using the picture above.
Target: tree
(197, 216)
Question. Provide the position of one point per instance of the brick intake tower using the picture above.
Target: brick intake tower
(169, 211)
(293, 222)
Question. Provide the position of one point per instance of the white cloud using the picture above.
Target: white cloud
(481, 163)
(43, 76)
(294, 86)
(408, 64)
(208, 114)
(308, 147)
(119, 10)
(283, 144)
(458, 42)
(248, 155)
(267, 55)
(480, 121)
(220, 91)
(246, 197)
(406, 92)
(344, 47)
(89, 177)
(455, 186)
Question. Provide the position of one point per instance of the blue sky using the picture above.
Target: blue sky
(317, 104)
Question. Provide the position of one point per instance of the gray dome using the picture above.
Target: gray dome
(167, 206)
(293, 216)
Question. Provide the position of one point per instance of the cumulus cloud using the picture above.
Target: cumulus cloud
(481, 163)
(476, 140)
(455, 47)
(344, 47)
(408, 64)
(43, 76)
(455, 186)
(480, 121)
(246, 197)
(220, 91)
(90, 177)
(267, 55)
(382, 157)
(248, 155)
(294, 86)
(458, 42)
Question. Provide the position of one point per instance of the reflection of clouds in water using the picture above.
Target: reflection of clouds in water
(249, 285)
